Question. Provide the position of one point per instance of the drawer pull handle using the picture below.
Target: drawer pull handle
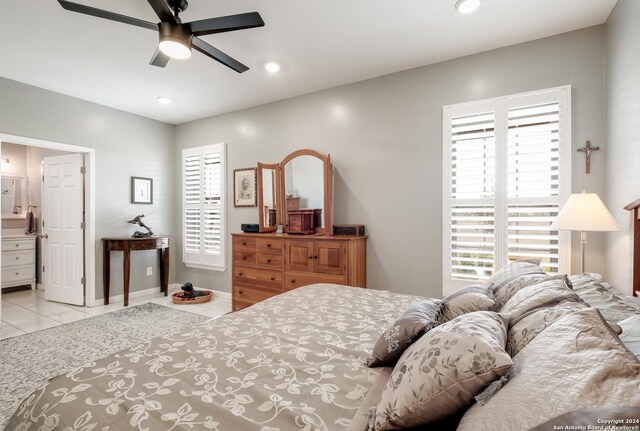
(293, 280)
(273, 278)
(268, 260)
(17, 245)
(269, 245)
(17, 273)
(315, 257)
(310, 257)
(240, 273)
(244, 257)
(240, 292)
(244, 242)
(17, 258)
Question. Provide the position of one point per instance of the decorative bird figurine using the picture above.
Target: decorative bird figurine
(139, 234)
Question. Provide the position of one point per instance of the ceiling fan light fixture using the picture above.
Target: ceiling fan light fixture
(467, 6)
(175, 41)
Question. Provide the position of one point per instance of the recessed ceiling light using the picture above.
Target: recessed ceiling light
(164, 100)
(272, 67)
(467, 6)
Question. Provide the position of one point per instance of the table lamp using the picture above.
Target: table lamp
(584, 212)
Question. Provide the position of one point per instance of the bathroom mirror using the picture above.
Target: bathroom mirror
(269, 196)
(306, 188)
(14, 196)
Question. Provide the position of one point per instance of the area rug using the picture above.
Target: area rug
(28, 361)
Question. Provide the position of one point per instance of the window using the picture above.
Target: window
(506, 173)
(203, 203)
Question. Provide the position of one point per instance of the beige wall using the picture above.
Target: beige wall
(385, 140)
(623, 133)
(126, 145)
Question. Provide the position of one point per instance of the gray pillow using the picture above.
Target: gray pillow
(524, 329)
(467, 300)
(415, 321)
(442, 371)
(544, 294)
(513, 270)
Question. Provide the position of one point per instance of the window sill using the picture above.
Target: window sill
(207, 267)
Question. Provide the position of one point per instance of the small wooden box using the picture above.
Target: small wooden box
(301, 222)
(293, 204)
(317, 218)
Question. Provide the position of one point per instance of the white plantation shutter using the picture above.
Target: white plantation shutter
(533, 180)
(203, 206)
(472, 190)
(506, 174)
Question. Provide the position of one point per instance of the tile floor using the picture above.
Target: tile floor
(27, 311)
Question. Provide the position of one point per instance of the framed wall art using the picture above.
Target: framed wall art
(141, 190)
(244, 187)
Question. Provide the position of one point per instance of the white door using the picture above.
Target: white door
(62, 230)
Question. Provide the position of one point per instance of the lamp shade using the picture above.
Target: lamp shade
(585, 212)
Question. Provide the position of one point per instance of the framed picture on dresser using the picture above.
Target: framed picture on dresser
(245, 185)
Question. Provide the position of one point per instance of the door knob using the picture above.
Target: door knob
(45, 236)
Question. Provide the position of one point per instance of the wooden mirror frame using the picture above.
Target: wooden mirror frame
(276, 196)
(327, 229)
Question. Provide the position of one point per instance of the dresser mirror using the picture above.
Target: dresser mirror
(269, 196)
(306, 193)
(14, 196)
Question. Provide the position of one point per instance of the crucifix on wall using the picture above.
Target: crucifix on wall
(587, 152)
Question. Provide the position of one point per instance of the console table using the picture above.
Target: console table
(127, 245)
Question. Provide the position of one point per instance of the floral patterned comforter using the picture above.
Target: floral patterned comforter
(293, 362)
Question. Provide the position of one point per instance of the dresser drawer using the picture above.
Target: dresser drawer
(269, 245)
(265, 260)
(294, 280)
(244, 258)
(18, 273)
(244, 296)
(18, 258)
(19, 244)
(247, 243)
(258, 277)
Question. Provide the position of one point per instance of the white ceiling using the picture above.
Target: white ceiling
(319, 44)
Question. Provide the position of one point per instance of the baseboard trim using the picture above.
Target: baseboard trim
(39, 286)
(132, 294)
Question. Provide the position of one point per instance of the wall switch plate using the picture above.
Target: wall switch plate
(149, 270)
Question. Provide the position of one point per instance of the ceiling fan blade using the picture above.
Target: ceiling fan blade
(226, 23)
(99, 13)
(217, 55)
(159, 59)
(162, 9)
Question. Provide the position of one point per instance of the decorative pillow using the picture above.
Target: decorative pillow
(442, 371)
(574, 364)
(513, 270)
(415, 321)
(613, 305)
(510, 288)
(467, 300)
(631, 334)
(543, 294)
(527, 327)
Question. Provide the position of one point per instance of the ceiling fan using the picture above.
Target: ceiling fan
(177, 38)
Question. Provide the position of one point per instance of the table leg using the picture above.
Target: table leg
(126, 265)
(164, 271)
(106, 271)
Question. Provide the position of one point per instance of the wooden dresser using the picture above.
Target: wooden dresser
(266, 264)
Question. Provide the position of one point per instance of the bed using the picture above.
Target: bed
(295, 361)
